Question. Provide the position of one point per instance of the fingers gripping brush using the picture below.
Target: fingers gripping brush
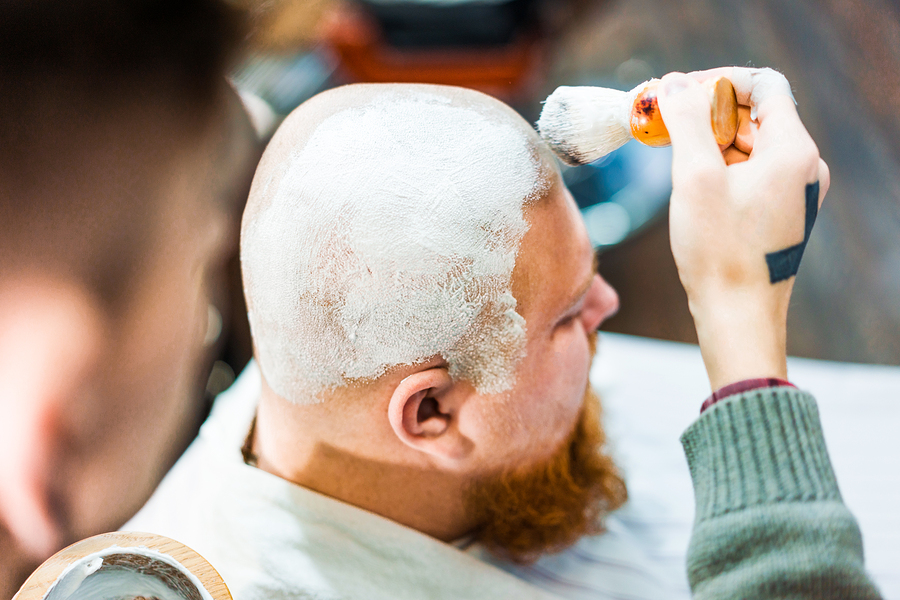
(582, 124)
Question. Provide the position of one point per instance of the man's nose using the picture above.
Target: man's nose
(601, 303)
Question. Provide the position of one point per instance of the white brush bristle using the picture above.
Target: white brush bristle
(581, 124)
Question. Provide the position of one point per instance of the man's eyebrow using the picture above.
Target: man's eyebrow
(583, 290)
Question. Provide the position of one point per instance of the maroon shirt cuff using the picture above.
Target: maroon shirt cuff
(744, 386)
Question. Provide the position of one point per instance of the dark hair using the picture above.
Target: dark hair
(81, 81)
(182, 45)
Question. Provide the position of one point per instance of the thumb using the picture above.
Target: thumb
(684, 106)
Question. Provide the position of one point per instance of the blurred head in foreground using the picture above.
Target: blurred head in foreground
(423, 302)
(117, 121)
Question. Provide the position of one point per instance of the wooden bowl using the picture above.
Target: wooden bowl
(138, 552)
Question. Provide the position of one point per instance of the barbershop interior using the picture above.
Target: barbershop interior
(445, 299)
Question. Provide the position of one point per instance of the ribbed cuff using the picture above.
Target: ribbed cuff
(759, 447)
(739, 387)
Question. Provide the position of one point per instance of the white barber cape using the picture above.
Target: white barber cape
(272, 539)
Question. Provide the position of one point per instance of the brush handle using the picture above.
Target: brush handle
(647, 124)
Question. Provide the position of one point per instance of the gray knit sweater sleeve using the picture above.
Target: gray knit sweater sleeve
(770, 522)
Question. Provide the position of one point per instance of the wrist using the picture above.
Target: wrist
(741, 340)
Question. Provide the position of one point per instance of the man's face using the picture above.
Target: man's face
(150, 382)
(545, 480)
(99, 447)
(152, 374)
(563, 302)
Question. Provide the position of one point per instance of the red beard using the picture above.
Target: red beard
(529, 511)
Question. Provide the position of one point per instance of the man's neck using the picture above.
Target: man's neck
(288, 443)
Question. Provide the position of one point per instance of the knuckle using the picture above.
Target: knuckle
(803, 156)
(772, 76)
(824, 171)
(824, 178)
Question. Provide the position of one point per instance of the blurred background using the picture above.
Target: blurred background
(841, 56)
(125, 163)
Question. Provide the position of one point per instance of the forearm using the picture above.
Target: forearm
(770, 521)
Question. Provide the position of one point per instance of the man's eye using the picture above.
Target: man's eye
(567, 320)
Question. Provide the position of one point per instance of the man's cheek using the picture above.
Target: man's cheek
(572, 358)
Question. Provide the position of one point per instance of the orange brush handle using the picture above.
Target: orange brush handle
(647, 125)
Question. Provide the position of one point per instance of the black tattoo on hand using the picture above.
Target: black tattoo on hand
(784, 264)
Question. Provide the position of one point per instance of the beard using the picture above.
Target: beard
(537, 509)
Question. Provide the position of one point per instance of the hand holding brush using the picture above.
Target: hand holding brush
(582, 124)
(740, 219)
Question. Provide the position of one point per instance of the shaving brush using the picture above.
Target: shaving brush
(582, 124)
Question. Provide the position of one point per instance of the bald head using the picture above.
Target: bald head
(382, 230)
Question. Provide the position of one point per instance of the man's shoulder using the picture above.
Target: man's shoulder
(271, 538)
(199, 489)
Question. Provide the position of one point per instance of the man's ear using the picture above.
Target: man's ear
(423, 413)
(49, 345)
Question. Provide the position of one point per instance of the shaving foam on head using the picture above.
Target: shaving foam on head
(388, 239)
